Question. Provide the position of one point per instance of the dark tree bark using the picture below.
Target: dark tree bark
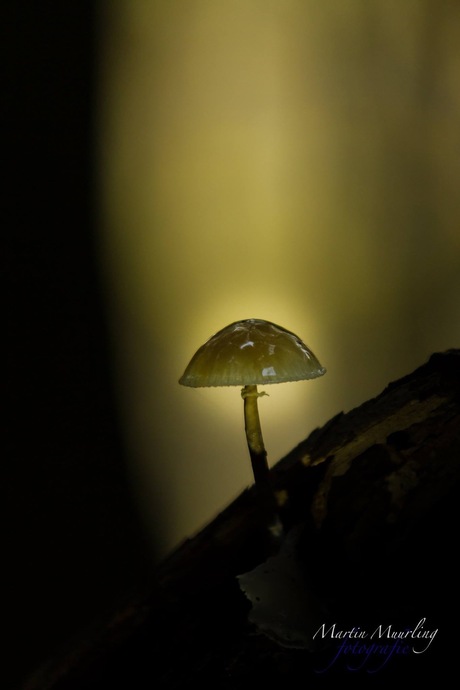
(373, 501)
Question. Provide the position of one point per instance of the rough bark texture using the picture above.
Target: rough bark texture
(373, 497)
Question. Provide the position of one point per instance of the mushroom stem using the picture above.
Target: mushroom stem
(259, 463)
(254, 438)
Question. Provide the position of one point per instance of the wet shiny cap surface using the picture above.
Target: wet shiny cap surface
(251, 352)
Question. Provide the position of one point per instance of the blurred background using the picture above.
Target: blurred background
(177, 166)
(291, 161)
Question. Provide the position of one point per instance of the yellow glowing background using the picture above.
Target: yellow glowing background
(295, 161)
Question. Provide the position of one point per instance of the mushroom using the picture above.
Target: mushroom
(248, 353)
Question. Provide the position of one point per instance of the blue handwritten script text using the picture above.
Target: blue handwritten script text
(372, 650)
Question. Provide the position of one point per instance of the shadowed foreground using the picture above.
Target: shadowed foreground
(370, 508)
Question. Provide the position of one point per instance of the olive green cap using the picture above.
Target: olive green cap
(251, 352)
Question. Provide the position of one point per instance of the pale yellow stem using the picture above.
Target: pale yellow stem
(254, 437)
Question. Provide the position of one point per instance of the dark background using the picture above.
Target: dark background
(72, 544)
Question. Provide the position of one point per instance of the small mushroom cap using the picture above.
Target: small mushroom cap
(251, 352)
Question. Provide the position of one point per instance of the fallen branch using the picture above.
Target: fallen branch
(373, 499)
